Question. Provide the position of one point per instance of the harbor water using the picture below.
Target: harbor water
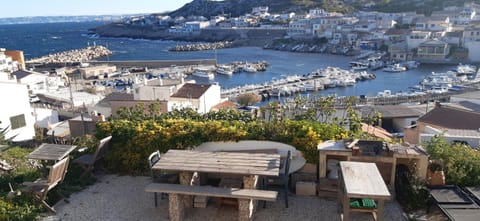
(42, 39)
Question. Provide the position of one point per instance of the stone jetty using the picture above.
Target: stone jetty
(202, 46)
(77, 55)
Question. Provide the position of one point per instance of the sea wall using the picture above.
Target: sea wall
(158, 63)
(242, 36)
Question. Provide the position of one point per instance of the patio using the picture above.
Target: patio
(123, 198)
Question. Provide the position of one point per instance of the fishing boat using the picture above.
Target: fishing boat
(249, 68)
(204, 74)
(358, 66)
(224, 70)
(395, 68)
(466, 69)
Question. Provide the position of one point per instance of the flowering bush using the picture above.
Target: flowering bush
(134, 140)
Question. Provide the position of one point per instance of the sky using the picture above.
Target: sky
(22, 8)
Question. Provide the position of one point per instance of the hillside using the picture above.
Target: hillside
(240, 7)
(235, 8)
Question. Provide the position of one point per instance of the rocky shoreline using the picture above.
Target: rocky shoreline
(203, 46)
(72, 56)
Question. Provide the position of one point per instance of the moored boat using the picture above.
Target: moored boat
(203, 74)
(395, 68)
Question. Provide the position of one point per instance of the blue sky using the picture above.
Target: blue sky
(20, 8)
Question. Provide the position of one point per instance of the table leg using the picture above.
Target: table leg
(346, 208)
(186, 179)
(246, 207)
(381, 206)
(176, 208)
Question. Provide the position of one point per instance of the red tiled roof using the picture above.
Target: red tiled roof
(194, 91)
(224, 105)
(452, 118)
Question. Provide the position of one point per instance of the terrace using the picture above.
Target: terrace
(114, 197)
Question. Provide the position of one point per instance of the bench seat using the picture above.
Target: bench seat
(212, 191)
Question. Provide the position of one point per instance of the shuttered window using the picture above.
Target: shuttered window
(17, 121)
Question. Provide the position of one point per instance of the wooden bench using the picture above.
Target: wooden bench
(176, 204)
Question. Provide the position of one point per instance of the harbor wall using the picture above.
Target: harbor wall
(246, 36)
(157, 63)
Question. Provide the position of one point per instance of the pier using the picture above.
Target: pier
(157, 63)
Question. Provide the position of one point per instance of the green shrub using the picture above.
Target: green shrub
(461, 162)
(19, 208)
(134, 140)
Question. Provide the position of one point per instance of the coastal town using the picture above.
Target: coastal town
(178, 145)
(447, 36)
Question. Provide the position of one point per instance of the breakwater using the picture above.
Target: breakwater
(74, 56)
(202, 46)
(158, 63)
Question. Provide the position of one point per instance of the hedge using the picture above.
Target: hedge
(134, 140)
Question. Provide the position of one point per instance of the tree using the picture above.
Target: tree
(248, 99)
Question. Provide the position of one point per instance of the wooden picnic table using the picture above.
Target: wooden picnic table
(53, 152)
(362, 180)
(191, 163)
(220, 162)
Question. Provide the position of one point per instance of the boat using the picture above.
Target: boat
(224, 70)
(466, 69)
(204, 74)
(410, 64)
(249, 68)
(358, 66)
(395, 68)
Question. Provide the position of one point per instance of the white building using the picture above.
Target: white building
(196, 26)
(18, 117)
(6, 62)
(37, 82)
(259, 10)
(416, 38)
(433, 24)
(198, 97)
(156, 89)
(299, 27)
(317, 12)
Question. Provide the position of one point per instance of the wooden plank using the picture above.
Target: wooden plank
(51, 152)
(363, 180)
(220, 155)
(212, 191)
(193, 166)
(220, 162)
(273, 172)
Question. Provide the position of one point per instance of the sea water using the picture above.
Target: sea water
(42, 39)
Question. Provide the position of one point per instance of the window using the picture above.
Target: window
(17, 121)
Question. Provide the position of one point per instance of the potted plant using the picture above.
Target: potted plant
(435, 174)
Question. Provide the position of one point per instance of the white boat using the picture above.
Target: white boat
(249, 68)
(410, 64)
(204, 74)
(395, 68)
(224, 70)
(358, 66)
(466, 69)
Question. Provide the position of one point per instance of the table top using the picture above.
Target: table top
(363, 180)
(48, 151)
(220, 162)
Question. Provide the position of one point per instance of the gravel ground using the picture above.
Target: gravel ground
(119, 198)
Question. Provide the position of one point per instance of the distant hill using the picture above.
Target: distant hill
(235, 8)
(240, 7)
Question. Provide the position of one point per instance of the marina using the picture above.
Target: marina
(142, 53)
